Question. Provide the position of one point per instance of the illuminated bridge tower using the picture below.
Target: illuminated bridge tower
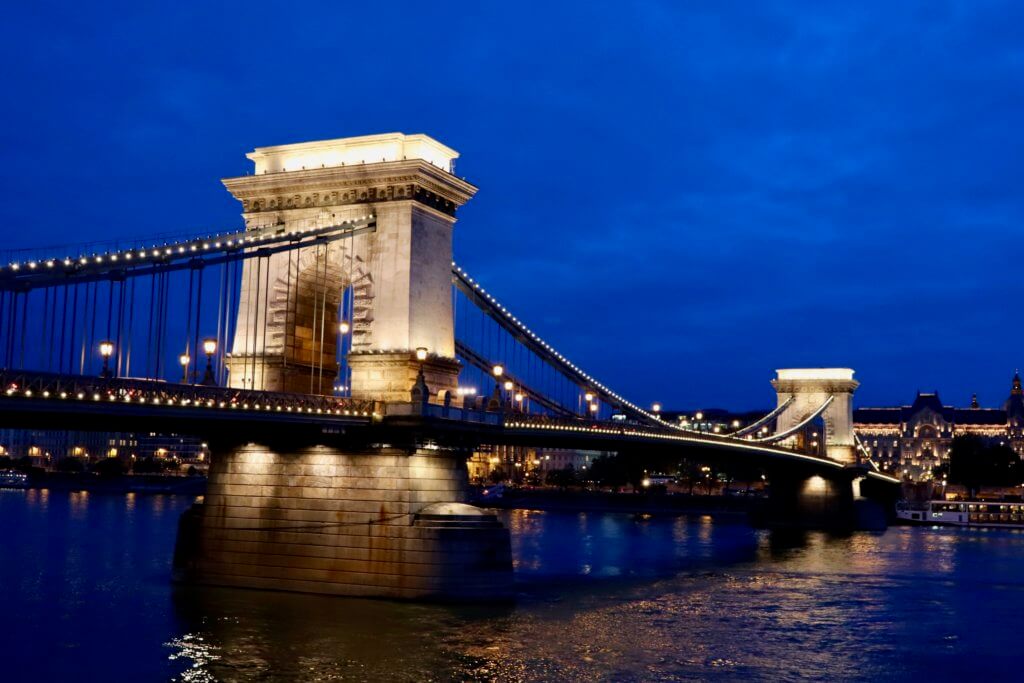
(807, 390)
(399, 269)
(324, 511)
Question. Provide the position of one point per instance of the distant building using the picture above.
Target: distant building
(45, 448)
(911, 440)
(714, 420)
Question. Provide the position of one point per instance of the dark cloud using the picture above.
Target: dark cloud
(681, 196)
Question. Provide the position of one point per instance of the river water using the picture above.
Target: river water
(85, 596)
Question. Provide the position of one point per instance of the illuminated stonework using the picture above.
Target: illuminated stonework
(811, 388)
(399, 272)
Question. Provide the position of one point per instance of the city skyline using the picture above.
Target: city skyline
(792, 187)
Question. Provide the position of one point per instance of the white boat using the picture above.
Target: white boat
(9, 479)
(962, 513)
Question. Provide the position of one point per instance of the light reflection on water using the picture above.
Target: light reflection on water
(601, 597)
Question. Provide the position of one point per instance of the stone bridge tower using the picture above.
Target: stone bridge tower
(399, 273)
(810, 388)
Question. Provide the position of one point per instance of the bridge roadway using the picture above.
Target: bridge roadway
(34, 400)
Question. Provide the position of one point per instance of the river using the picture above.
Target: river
(85, 596)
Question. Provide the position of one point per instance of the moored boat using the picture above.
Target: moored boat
(979, 513)
(11, 479)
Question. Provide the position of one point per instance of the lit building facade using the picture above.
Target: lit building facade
(45, 448)
(911, 440)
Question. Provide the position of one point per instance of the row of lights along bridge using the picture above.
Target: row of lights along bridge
(517, 399)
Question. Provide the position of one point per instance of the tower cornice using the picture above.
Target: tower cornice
(412, 179)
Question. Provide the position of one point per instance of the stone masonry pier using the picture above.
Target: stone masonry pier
(386, 523)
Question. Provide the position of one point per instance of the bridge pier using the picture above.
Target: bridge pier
(844, 501)
(387, 523)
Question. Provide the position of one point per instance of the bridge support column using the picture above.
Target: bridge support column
(399, 271)
(386, 523)
(845, 501)
(811, 388)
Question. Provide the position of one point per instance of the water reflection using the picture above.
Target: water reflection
(601, 597)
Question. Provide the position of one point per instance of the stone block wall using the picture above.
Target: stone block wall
(322, 520)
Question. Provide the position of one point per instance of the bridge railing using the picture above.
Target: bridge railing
(42, 386)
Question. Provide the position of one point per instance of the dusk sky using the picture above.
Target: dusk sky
(681, 197)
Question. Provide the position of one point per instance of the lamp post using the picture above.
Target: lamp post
(106, 351)
(497, 370)
(509, 386)
(209, 348)
(420, 391)
(344, 327)
(184, 359)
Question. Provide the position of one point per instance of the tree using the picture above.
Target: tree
(620, 469)
(71, 464)
(109, 467)
(562, 478)
(497, 475)
(152, 465)
(974, 464)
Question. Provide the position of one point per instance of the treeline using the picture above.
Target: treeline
(105, 467)
(973, 463)
(630, 469)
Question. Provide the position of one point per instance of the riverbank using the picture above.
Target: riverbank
(554, 500)
(126, 483)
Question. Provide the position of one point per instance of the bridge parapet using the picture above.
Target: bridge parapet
(155, 394)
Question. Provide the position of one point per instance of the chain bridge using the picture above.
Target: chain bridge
(343, 367)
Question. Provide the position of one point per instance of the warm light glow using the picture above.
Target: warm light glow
(815, 484)
(519, 398)
(589, 396)
(106, 349)
(815, 373)
(184, 359)
(508, 385)
(209, 346)
(646, 482)
(421, 353)
(593, 407)
(367, 149)
(344, 327)
(498, 370)
(656, 407)
(699, 416)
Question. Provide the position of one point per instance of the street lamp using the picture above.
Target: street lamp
(344, 327)
(209, 348)
(184, 359)
(106, 350)
(589, 396)
(421, 353)
(594, 408)
(656, 408)
(498, 370)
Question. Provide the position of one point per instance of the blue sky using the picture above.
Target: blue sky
(681, 197)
